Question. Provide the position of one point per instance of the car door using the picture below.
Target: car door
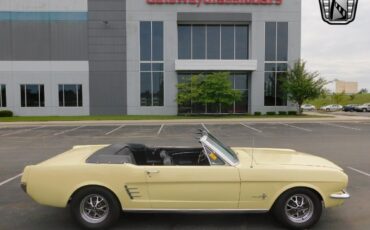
(193, 187)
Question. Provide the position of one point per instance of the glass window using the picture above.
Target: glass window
(157, 66)
(227, 42)
(239, 81)
(145, 67)
(242, 105)
(269, 89)
(2, 96)
(70, 95)
(199, 42)
(157, 43)
(213, 42)
(146, 89)
(281, 97)
(152, 66)
(282, 41)
(23, 96)
(32, 96)
(270, 41)
(158, 89)
(145, 41)
(241, 42)
(184, 33)
(79, 95)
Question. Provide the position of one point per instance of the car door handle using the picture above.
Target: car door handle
(151, 171)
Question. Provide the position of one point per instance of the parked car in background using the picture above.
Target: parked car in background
(350, 107)
(308, 107)
(332, 108)
(363, 108)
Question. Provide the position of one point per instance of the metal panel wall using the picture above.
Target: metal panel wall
(107, 56)
(5, 41)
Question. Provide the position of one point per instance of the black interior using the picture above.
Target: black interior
(175, 156)
(142, 155)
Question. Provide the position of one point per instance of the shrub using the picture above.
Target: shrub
(257, 113)
(6, 113)
(282, 113)
(292, 113)
(271, 113)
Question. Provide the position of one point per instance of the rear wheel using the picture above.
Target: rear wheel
(364, 110)
(298, 208)
(95, 208)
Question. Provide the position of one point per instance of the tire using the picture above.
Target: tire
(327, 110)
(282, 209)
(97, 217)
(364, 110)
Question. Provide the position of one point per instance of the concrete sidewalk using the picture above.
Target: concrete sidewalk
(330, 118)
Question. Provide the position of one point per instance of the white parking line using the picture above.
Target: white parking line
(160, 129)
(10, 179)
(250, 127)
(359, 171)
(68, 130)
(204, 127)
(341, 126)
(22, 131)
(114, 130)
(296, 127)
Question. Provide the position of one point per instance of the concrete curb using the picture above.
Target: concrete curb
(190, 121)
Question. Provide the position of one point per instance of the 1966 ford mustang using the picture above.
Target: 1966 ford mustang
(97, 182)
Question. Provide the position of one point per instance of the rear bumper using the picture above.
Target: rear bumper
(343, 195)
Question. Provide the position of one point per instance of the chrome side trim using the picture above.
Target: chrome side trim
(340, 195)
(197, 210)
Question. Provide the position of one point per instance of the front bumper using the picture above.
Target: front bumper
(343, 195)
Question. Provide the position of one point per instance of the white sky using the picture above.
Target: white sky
(337, 52)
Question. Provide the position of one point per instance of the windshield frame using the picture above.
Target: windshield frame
(224, 152)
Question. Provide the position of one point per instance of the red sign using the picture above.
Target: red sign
(215, 2)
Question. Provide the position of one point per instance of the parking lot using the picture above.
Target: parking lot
(345, 143)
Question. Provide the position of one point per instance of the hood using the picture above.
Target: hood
(264, 156)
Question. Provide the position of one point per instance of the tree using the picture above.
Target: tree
(206, 89)
(363, 91)
(302, 85)
(338, 97)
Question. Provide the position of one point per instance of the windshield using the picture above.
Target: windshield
(230, 154)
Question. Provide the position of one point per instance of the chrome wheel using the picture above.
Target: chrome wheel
(299, 208)
(94, 209)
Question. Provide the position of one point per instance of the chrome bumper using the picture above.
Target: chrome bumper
(343, 195)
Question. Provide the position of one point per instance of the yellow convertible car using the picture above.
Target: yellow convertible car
(98, 181)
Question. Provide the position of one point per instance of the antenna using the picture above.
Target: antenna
(252, 152)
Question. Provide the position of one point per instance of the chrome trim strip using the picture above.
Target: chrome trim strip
(342, 195)
(196, 210)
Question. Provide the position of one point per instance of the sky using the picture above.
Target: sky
(337, 52)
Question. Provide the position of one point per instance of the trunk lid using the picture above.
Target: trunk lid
(77, 155)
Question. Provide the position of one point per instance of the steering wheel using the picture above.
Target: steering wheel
(202, 157)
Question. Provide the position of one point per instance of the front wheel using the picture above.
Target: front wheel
(95, 208)
(298, 209)
(364, 110)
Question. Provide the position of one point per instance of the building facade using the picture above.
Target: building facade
(346, 87)
(81, 57)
